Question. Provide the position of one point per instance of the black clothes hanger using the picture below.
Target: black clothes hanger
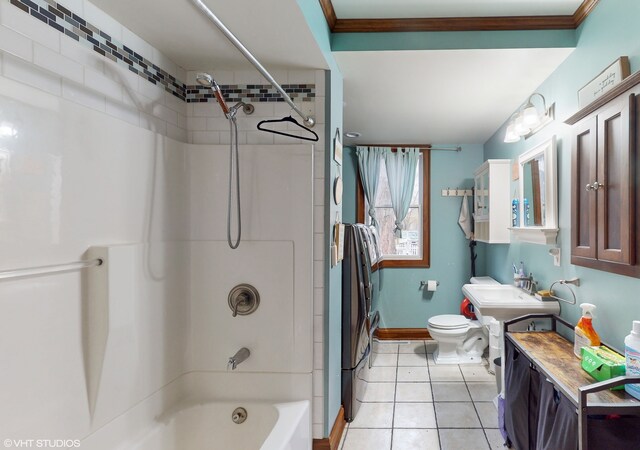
(295, 122)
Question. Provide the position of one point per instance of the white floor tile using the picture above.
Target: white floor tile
(382, 374)
(412, 347)
(384, 359)
(431, 346)
(415, 439)
(408, 374)
(488, 414)
(482, 391)
(412, 359)
(476, 372)
(362, 439)
(451, 439)
(413, 392)
(379, 392)
(450, 392)
(373, 415)
(496, 441)
(445, 373)
(457, 415)
(414, 415)
(381, 347)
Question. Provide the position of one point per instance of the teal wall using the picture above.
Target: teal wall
(610, 31)
(332, 276)
(402, 303)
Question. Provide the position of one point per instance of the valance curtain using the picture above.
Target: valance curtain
(369, 159)
(401, 172)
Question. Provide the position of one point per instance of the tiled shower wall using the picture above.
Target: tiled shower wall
(75, 51)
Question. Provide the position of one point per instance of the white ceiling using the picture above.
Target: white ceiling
(368, 9)
(444, 96)
(275, 32)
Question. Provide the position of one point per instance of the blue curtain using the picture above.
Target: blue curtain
(401, 172)
(369, 159)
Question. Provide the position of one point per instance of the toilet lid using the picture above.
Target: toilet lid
(449, 321)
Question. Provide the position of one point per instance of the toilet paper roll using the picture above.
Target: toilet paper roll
(432, 285)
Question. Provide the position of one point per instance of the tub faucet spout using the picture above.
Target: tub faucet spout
(236, 359)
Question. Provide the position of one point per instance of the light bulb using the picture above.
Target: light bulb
(511, 135)
(520, 127)
(530, 116)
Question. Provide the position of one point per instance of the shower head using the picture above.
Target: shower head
(204, 79)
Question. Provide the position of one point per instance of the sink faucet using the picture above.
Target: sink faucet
(529, 286)
(236, 359)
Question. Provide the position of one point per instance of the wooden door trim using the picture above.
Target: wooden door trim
(333, 441)
(402, 334)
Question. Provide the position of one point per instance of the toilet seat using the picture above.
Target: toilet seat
(449, 322)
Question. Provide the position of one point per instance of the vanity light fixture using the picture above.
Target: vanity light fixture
(528, 119)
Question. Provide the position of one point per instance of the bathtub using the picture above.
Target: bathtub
(268, 426)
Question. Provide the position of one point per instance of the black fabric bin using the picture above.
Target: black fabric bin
(522, 391)
(557, 420)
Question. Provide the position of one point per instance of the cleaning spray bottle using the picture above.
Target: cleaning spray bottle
(585, 335)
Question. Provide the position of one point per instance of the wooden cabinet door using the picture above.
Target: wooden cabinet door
(583, 198)
(615, 194)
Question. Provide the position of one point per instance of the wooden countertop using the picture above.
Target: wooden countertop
(553, 355)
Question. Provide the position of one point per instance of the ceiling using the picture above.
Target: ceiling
(275, 31)
(429, 96)
(444, 96)
(368, 9)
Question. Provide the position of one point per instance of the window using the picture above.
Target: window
(412, 249)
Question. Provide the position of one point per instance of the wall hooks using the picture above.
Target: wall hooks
(456, 192)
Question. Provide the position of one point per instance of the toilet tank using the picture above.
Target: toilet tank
(483, 280)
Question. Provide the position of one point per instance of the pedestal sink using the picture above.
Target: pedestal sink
(505, 302)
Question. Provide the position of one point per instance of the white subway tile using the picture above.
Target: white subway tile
(259, 137)
(262, 109)
(318, 274)
(137, 44)
(173, 102)
(319, 110)
(196, 123)
(318, 430)
(318, 192)
(81, 54)
(123, 112)
(318, 219)
(161, 60)
(205, 137)
(99, 82)
(98, 18)
(318, 355)
(16, 19)
(318, 246)
(320, 83)
(318, 383)
(318, 331)
(152, 91)
(318, 408)
(217, 123)
(318, 165)
(182, 121)
(178, 134)
(153, 123)
(318, 301)
(27, 73)
(190, 79)
(78, 93)
(181, 74)
(57, 63)
(206, 110)
(247, 77)
(225, 137)
(166, 114)
(16, 43)
(122, 75)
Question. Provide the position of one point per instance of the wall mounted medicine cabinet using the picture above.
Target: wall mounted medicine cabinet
(491, 205)
(604, 228)
(538, 210)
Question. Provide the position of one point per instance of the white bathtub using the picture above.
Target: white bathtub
(278, 426)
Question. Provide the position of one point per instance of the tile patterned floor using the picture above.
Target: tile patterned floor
(411, 403)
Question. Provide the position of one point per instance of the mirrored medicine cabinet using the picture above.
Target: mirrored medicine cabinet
(537, 218)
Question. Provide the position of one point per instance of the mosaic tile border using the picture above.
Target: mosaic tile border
(251, 93)
(67, 22)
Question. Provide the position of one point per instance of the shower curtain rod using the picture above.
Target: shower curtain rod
(45, 270)
(308, 120)
(422, 147)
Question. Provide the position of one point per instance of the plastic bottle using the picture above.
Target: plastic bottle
(515, 222)
(585, 335)
(632, 355)
(526, 212)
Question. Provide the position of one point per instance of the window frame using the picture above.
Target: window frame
(425, 262)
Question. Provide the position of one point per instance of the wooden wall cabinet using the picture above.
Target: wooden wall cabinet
(492, 209)
(604, 229)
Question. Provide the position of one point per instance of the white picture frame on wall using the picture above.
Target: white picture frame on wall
(337, 148)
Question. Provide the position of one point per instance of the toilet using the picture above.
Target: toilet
(460, 340)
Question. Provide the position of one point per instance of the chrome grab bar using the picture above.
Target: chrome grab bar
(50, 269)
